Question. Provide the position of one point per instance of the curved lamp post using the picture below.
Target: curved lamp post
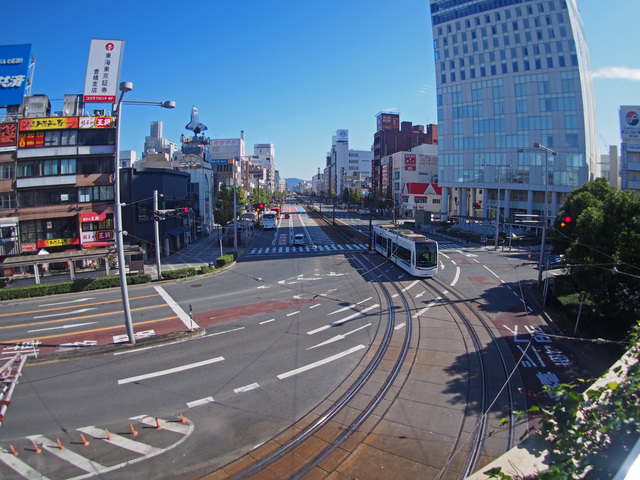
(125, 87)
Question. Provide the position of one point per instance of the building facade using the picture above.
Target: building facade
(630, 149)
(57, 179)
(346, 168)
(394, 136)
(512, 76)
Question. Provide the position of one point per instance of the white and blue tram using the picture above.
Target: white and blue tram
(412, 252)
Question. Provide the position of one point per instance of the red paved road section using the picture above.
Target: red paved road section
(213, 317)
(50, 344)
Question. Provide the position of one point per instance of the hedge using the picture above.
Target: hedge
(70, 287)
(108, 282)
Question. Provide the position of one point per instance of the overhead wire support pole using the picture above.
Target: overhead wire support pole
(547, 151)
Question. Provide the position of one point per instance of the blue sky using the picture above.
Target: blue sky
(288, 73)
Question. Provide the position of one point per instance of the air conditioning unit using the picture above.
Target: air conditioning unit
(73, 105)
(37, 106)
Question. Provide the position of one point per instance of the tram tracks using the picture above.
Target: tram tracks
(343, 431)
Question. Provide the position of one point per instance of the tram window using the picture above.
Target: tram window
(404, 254)
(426, 255)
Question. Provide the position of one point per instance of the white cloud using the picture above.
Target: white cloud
(623, 73)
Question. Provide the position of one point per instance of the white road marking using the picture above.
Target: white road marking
(182, 315)
(202, 401)
(120, 441)
(398, 327)
(489, 270)
(67, 455)
(457, 277)
(222, 333)
(350, 307)
(319, 363)
(293, 313)
(267, 321)
(82, 310)
(175, 427)
(338, 337)
(433, 303)
(340, 322)
(62, 327)
(411, 286)
(246, 388)
(21, 468)
(170, 370)
(65, 303)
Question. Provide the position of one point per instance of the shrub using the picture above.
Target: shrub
(226, 259)
(179, 273)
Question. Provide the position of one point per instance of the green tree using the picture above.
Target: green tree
(224, 206)
(598, 229)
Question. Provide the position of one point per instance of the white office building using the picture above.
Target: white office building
(513, 87)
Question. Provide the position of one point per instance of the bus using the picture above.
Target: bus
(277, 210)
(412, 252)
(269, 219)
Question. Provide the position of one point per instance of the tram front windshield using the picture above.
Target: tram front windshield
(426, 254)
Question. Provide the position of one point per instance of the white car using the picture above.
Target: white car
(299, 239)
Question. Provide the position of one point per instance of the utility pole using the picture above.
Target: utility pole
(156, 231)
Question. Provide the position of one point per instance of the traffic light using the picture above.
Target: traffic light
(159, 215)
(260, 207)
(566, 221)
(477, 205)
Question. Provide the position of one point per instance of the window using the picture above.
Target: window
(7, 171)
(7, 201)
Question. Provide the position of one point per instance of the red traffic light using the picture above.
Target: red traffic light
(186, 209)
(567, 219)
(261, 206)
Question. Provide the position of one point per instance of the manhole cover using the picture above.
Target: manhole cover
(195, 285)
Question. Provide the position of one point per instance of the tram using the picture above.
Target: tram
(412, 252)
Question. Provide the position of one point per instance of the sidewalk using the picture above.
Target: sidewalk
(203, 251)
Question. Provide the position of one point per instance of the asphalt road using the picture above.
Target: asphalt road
(280, 330)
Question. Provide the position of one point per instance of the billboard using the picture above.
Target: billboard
(14, 69)
(388, 121)
(48, 123)
(8, 134)
(103, 70)
(630, 122)
(410, 162)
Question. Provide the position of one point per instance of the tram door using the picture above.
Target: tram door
(389, 247)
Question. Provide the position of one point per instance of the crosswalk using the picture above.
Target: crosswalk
(43, 457)
(331, 247)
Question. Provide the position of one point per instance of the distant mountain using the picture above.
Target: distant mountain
(293, 182)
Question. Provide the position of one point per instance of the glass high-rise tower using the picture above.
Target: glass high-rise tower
(511, 74)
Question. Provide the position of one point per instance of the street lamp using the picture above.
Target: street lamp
(495, 246)
(125, 87)
(547, 151)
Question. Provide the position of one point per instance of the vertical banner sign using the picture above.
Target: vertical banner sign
(103, 71)
(14, 67)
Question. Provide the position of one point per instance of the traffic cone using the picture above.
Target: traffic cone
(108, 434)
(35, 445)
(59, 444)
(84, 440)
(133, 432)
(182, 420)
(13, 450)
(158, 424)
